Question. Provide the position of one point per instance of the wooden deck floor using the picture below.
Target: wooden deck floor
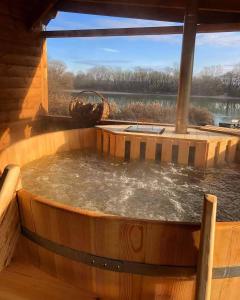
(22, 281)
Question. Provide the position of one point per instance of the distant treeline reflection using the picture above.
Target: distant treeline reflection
(208, 82)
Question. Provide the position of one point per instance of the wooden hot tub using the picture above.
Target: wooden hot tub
(116, 257)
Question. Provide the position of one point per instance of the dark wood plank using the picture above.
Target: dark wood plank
(164, 30)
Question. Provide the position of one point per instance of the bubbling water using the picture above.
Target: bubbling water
(145, 190)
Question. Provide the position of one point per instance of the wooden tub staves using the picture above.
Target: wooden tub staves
(116, 257)
(123, 258)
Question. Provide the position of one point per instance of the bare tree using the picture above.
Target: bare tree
(58, 77)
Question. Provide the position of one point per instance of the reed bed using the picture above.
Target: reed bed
(136, 111)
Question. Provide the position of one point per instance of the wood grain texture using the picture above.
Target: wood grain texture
(183, 152)
(206, 249)
(9, 233)
(206, 152)
(22, 280)
(200, 155)
(23, 69)
(106, 141)
(231, 150)
(99, 140)
(135, 148)
(112, 146)
(163, 30)
(107, 236)
(221, 153)
(120, 147)
(147, 241)
(167, 151)
(186, 66)
(9, 217)
(152, 242)
(47, 144)
(150, 149)
(211, 154)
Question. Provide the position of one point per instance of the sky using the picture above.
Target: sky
(157, 52)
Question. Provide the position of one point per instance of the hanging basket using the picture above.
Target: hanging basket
(88, 114)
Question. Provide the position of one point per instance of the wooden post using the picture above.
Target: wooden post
(206, 248)
(186, 68)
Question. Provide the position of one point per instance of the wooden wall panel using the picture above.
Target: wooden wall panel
(120, 146)
(167, 151)
(112, 145)
(211, 154)
(106, 143)
(135, 148)
(201, 154)
(9, 216)
(23, 70)
(183, 152)
(9, 232)
(151, 149)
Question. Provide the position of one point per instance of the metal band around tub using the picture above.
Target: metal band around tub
(124, 266)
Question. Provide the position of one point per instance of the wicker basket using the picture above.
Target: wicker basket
(88, 114)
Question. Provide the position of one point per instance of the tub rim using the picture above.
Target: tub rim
(101, 215)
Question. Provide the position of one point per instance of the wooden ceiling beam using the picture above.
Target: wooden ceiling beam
(220, 27)
(146, 10)
(210, 5)
(120, 10)
(140, 3)
(42, 13)
(165, 30)
(113, 32)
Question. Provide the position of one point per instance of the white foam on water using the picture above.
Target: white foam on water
(144, 190)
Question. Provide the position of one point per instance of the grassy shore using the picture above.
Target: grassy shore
(135, 111)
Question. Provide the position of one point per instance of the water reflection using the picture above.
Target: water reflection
(224, 109)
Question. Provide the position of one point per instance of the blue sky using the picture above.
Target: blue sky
(156, 52)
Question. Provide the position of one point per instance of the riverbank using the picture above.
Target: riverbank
(144, 111)
(111, 93)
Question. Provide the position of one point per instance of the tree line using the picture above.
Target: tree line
(212, 81)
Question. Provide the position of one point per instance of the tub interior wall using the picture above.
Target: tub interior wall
(33, 148)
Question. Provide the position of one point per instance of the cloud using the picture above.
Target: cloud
(173, 39)
(110, 50)
(126, 23)
(96, 62)
(223, 39)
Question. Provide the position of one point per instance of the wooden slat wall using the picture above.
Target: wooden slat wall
(23, 72)
(9, 232)
(208, 153)
(9, 216)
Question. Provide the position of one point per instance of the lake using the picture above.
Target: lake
(224, 109)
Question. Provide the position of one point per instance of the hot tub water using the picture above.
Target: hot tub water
(145, 190)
